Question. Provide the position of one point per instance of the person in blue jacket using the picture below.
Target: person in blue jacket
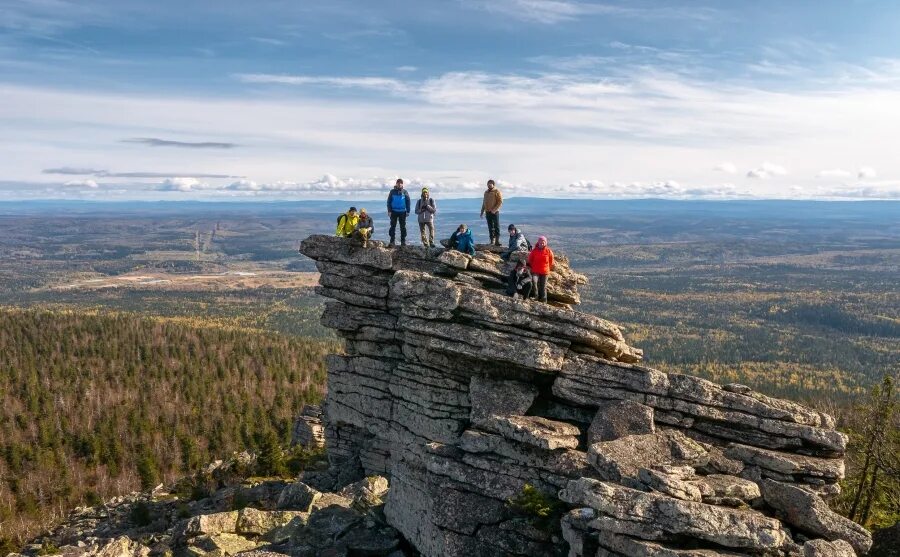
(461, 240)
(398, 209)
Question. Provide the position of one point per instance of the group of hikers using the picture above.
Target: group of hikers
(527, 279)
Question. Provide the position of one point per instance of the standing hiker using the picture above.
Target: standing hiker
(541, 262)
(398, 210)
(490, 209)
(425, 210)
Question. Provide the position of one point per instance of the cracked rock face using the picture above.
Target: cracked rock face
(461, 397)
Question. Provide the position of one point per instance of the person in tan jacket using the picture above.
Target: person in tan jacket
(490, 209)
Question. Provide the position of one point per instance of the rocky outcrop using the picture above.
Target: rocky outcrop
(308, 429)
(271, 518)
(470, 403)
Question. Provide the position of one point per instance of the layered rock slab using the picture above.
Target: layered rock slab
(463, 398)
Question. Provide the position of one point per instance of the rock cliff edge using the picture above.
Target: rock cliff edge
(461, 397)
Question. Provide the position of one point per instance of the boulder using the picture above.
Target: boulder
(367, 493)
(823, 548)
(622, 458)
(620, 418)
(209, 524)
(222, 544)
(533, 430)
(808, 512)
(298, 496)
(647, 515)
(490, 397)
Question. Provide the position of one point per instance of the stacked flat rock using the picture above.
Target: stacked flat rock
(462, 397)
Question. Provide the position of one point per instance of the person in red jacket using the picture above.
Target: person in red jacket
(541, 262)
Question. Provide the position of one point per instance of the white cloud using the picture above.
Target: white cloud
(407, 69)
(866, 173)
(726, 167)
(183, 184)
(375, 83)
(834, 173)
(551, 12)
(82, 184)
(767, 170)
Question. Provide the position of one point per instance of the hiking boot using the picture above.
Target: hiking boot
(365, 243)
(402, 242)
(391, 243)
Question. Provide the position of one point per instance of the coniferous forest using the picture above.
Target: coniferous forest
(94, 405)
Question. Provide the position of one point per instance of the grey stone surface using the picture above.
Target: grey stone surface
(619, 418)
(490, 397)
(461, 397)
(807, 511)
(639, 512)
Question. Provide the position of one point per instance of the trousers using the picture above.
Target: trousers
(426, 229)
(395, 218)
(493, 222)
(541, 281)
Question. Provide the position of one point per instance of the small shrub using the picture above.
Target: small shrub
(140, 514)
(543, 510)
(300, 459)
(48, 548)
(7, 546)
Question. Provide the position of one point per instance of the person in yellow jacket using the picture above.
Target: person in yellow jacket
(346, 223)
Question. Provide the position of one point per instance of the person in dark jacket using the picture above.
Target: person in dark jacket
(517, 242)
(398, 208)
(461, 240)
(519, 282)
(425, 210)
(364, 228)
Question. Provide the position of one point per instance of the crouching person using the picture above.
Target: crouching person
(461, 240)
(517, 242)
(541, 262)
(519, 282)
(346, 223)
(364, 228)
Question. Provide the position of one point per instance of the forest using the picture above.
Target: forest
(94, 405)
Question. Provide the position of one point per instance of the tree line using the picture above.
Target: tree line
(98, 404)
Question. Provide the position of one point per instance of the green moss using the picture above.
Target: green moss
(544, 510)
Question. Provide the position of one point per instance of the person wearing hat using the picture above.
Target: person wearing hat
(364, 228)
(541, 262)
(398, 210)
(517, 242)
(425, 210)
(346, 223)
(461, 240)
(490, 209)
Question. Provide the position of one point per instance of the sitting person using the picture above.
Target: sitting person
(364, 228)
(461, 240)
(346, 223)
(517, 242)
(519, 282)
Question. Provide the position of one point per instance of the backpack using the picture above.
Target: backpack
(342, 217)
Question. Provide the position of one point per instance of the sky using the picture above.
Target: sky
(293, 99)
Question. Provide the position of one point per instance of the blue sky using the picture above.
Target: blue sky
(293, 99)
